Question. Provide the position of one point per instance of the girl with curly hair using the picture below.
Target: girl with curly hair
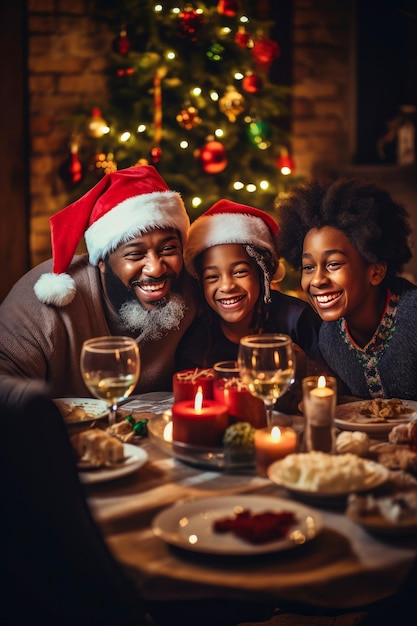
(350, 241)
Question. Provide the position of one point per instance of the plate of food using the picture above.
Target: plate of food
(321, 476)
(237, 525)
(81, 410)
(388, 515)
(133, 458)
(376, 417)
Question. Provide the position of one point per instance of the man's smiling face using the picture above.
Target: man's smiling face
(147, 266)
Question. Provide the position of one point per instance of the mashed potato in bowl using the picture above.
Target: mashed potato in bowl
(319, 472)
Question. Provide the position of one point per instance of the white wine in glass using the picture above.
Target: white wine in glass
(267, 366)
(110, 367)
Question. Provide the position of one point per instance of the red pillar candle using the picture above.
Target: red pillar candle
(199, 422)
(272, 444)
(185, 384)
(241, 404)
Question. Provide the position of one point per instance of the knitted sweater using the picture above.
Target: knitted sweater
(44, 342)
(387, 365)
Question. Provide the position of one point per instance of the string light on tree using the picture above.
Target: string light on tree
(215, 61)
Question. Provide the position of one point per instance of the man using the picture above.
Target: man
(131, 282)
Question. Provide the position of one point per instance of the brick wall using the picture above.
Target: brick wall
(67, 58)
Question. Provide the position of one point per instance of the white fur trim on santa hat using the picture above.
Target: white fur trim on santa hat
(222, 228)
(56, 289)
(139, 214)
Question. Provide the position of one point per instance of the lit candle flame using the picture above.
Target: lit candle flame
(198, 400)
(321, 382)
(275, 434)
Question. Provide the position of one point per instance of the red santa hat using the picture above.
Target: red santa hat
(230, 222)
(121, 206)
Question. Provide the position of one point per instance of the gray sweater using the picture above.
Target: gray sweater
(43, 343)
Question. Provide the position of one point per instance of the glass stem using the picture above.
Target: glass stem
(112, 414)
(269, 410)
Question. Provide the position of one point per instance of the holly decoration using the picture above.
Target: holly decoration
(232, 104)
(212, 157)
(189, 118)
(121, 44)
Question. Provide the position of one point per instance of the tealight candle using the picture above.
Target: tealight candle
(185, 384)
(319, 406)
(199, 422)
(272, 444)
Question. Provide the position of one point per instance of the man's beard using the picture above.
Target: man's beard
(151, 324)
(154, 323)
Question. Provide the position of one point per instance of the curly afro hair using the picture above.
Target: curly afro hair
(376, 226)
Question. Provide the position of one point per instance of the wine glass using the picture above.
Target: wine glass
(267, 366)
(110, 367)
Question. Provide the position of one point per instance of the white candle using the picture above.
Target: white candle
(319, 400)
(320, 404)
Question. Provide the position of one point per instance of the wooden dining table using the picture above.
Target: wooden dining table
(345, 567)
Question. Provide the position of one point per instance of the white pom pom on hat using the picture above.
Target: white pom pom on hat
(230, 222)
(119, 207)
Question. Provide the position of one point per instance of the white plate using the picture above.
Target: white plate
(378, 475)
(95, 409)
(378, 524)
(135, 458)
(189, 524)
(348, 417)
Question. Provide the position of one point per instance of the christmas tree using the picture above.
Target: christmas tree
(190, 92)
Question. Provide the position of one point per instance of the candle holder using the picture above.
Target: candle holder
(229, 389)
(272, 444)
(319, 408)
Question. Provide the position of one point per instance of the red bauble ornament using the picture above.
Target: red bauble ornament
(189, 23)
(242, 38)
(121, 44)
(266, 51)
(156, 154)
(229, 8)
(252, 83)
(212, 157)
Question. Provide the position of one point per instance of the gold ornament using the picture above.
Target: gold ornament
(189, 118)
(232, 104)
